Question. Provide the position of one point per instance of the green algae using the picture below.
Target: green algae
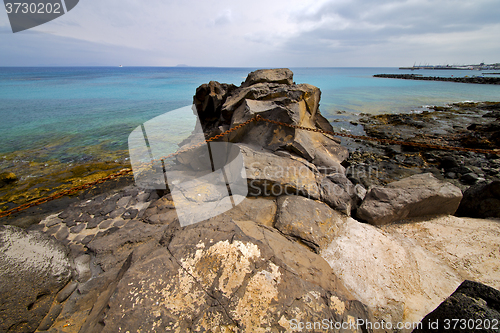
(39, 176)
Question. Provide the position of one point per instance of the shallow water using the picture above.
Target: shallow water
(62, 127)
(80, 113)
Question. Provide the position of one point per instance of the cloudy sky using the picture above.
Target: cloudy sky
(260, 33)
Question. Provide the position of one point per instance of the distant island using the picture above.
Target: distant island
(182, 65)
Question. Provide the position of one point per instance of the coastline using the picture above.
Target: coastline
(380, 163)
(314, 234)
(37, 176)
(469, 125)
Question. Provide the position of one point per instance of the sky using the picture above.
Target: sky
(260, 33)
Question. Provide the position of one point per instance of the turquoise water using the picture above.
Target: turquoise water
(65, 110)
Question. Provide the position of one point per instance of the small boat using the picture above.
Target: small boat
(120, 66)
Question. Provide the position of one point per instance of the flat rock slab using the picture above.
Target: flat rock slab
(415, 196)
(279, 75)
(271, 175)
(33, 268)
(215, 275)
(397, 279)
(312, 222)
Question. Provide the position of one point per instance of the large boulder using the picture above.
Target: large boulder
(398, 280)
(209, 99)
(271, 175)
(473, 307)
(33, 268)
(418, 195)
(312, 222)
(294, 105)
(279, 75)
(481, 200)
(272, 95)
(340, 193)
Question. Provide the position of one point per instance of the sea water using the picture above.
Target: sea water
(61, 113)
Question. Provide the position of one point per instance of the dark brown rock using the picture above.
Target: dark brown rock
(481, 200)
(310, 221)
(474, 306)
(130, 213)
(209, 99)
(78, 228)
(337, 196)
(271, 175)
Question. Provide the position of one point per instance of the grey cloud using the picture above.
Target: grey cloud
(374, 21)
(224, 18)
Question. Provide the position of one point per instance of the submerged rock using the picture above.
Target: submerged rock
(7, 178)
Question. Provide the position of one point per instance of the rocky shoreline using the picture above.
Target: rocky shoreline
(473, 79)
(323, 236)
(469, 125)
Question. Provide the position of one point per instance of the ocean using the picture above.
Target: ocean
(83, 113)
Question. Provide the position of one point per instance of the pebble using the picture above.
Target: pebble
(130, 214)
(143, 197)
(469, 178)
(116, 213)
(66, 291)
(62, 234)
(87, 239)
(77, 228)
(52, 221)
(49, 319)
(119, 223)
(105, 224)
(95, 222)
(123, 202)
(85, 217)
(108, 208)
(52, 230)
(450, 175)
(70, 223)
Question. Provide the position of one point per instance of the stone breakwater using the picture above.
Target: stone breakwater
(295, 250)
(474, 79)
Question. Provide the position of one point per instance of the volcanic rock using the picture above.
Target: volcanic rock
(414, 196)
(476, 307)
(481, 200)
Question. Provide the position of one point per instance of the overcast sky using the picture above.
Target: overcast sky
(260, 33)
